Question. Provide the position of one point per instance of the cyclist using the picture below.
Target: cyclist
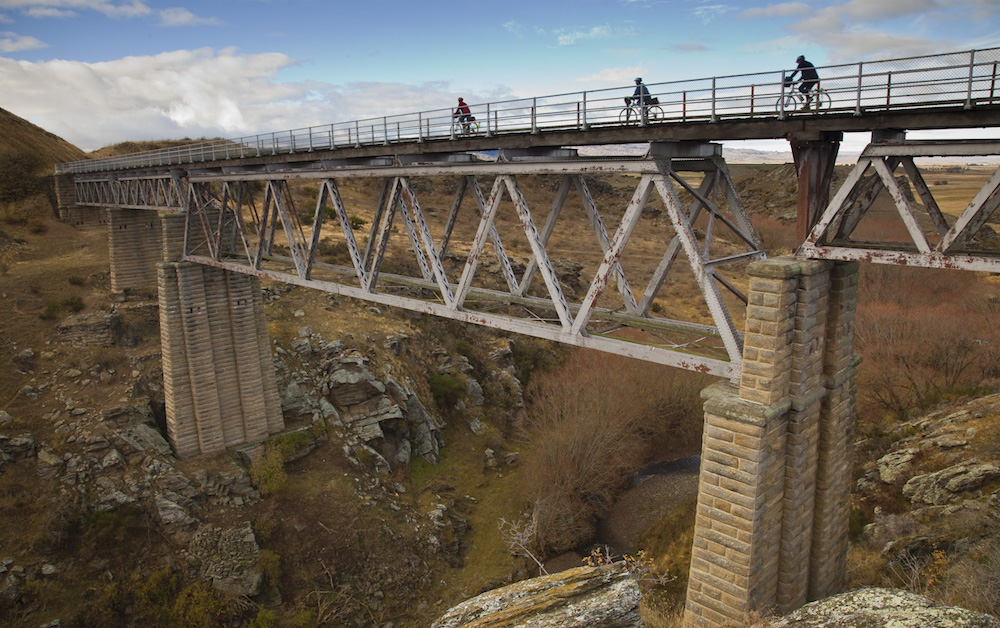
(809, 79)
(642, 98)
(463, 112)
(641, 95)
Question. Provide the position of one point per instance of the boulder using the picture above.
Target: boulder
(947, 485)
(229, 559)
(875, 608)
(605, 596)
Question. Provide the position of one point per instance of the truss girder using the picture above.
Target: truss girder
(163, 191)
(247, 222)
(931, 241)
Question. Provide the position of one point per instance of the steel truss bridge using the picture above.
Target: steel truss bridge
(521, 225)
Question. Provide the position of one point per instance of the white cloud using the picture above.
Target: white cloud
(514, 27)
(183, 17)
(613, 76)
(46, 12)
(709, 12)
(855, 30)
(570, 38)
(110, 8)
(197, 93)
(12, 42)
(784, 9)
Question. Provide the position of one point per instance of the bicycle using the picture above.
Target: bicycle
(633, 112)
(467, 126)
(794, 100)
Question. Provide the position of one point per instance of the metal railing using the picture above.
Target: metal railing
(966, 79)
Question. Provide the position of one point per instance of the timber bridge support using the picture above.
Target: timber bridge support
(774, 489)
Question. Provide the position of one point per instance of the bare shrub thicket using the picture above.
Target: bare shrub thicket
(973, 582)
(592, 423)
(923, 334)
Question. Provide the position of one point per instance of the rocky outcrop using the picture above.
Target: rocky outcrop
(90, 329)
(228, 559)
(875, 608)
(605, 596)
(951, 484)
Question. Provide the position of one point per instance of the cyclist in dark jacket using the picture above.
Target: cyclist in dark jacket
(641, 95)
(809, 78)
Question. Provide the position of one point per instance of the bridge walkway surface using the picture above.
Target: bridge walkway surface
(503, 227)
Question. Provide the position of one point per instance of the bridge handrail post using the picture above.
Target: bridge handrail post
(583, 124)
(274, 144)
(993, 82)
(488, 132)
(357, 134)
(291, 142)
(972, 69)
(857, 104)
(310, 139)
(330, 136)
(715, 118)
(258, 145)
(385, 131)
(534, 115)
(781, 99)
(420, 127)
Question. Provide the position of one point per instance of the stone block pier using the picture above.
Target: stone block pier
(774, 490)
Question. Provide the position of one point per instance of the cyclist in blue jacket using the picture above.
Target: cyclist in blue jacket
(641, 95)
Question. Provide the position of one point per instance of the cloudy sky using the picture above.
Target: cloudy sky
(99, 72)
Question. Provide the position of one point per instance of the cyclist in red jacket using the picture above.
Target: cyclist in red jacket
(463, 112)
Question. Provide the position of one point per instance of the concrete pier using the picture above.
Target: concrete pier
(218, 375)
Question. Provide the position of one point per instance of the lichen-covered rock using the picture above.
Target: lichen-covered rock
(947, 485)
(894, 466)
(605, 596)
(882, 608)
(228, 559)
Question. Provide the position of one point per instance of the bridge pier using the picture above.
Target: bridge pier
(219, 384)
(69, 212)
(135, 247)
(774, 489)
(815, 155)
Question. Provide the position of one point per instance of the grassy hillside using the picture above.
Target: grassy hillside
(21, 137)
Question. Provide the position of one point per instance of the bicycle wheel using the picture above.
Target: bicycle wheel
(786, 103)
(654, 114)
(627, 116)
(823, 100)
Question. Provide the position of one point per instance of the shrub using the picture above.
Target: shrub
(19, 176)
(73, 304)
(447, 390)
(592, 423)
(75, 280)
(51, 311)
(199, 606)
(267, 469)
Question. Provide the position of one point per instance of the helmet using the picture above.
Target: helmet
(460, 99)
(638, 79)
(800, 58)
